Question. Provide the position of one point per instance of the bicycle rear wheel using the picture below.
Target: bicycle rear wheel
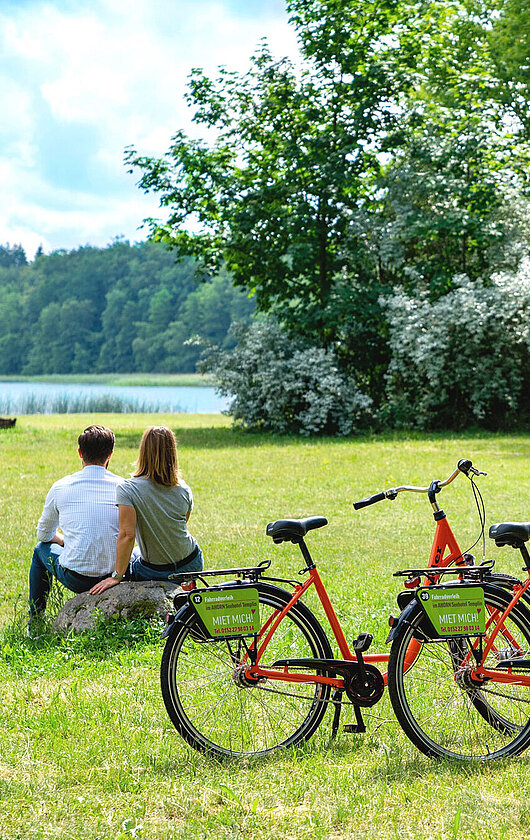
(441, 709)
(216, 712)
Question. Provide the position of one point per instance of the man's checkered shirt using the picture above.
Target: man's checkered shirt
(83, 506)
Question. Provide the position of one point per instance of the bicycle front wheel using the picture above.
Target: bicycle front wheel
(443, 711)
(215, 710)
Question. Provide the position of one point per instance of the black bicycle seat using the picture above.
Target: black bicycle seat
(294, 530)
(510, 533)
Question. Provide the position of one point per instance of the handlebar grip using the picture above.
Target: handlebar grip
(464, 465)
(370, 500)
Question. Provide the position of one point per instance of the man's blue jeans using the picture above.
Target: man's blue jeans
(44, 567)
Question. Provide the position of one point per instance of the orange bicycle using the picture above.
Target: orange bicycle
(247, 668)
(459, 666)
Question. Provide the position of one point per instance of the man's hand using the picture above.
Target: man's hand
(100, 587)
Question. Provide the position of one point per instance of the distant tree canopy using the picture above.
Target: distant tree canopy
(396, 157)
(122, 308)
(12, 256)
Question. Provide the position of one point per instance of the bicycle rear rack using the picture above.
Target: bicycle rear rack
(469, 572)
(248, 572)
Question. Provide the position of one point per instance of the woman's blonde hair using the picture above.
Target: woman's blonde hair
(157, 458)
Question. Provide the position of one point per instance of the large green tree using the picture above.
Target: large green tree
(391, 156)
(294, 154)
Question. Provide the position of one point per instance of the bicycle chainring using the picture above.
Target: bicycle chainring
(365, 689)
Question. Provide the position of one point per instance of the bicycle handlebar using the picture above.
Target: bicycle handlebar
(464, 466)
(369, 500)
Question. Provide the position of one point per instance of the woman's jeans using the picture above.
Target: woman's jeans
(138, 571)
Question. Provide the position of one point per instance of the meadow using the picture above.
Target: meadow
(86, 746)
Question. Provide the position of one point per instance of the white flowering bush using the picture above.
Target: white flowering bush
(278, 385)
(463, 360)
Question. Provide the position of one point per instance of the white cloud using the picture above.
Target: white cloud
(81, 81)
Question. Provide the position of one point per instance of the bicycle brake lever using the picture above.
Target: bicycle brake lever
(476, 472)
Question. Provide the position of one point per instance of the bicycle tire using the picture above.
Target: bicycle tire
(444, 714)
(214, 714)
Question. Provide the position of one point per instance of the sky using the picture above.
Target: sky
(82, 79)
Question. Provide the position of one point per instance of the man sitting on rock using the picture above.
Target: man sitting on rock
(83, 507)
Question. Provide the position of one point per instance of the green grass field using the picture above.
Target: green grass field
(86, 747)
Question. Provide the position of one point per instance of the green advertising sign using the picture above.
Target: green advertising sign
(454, 611)
(228, 612)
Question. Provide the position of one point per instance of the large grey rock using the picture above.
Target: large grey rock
(142, 599)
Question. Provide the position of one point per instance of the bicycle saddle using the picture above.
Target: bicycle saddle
(510, 533)
(294, 529)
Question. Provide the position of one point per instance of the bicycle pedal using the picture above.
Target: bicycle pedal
(356, 728)
(362, 642)
(360, 726)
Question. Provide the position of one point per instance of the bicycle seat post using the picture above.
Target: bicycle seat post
(526, 556)
(310, 564)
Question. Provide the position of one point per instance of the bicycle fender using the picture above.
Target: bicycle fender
(173, 621)
(402, 619)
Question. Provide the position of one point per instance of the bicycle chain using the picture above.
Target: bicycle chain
(379, 719)
(301, 697)
(500, 694)
(298, 696)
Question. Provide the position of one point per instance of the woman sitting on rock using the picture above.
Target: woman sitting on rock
(154, 506)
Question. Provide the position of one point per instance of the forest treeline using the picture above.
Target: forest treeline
(123, 308)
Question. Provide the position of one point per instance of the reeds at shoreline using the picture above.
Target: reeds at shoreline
(83, 404)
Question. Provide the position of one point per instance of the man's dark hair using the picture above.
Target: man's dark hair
(96, 444)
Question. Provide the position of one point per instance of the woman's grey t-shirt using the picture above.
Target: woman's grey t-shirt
(161, 528)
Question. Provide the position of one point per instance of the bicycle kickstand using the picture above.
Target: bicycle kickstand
(336, 698)
(358, 727)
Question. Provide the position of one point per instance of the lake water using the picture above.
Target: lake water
(53, 398)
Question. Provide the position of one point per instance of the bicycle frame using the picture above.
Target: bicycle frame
(444, 541)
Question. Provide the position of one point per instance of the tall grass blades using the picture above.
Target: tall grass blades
(82, 404)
